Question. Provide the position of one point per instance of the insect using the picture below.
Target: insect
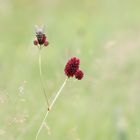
(41, 37)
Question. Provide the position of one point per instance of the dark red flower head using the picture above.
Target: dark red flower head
(72, 66)
(79, 74)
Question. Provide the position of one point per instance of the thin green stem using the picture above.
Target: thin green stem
(54, 100)
(58, 93)
(41, 78)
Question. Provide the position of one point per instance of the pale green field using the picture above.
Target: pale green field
(105, 35)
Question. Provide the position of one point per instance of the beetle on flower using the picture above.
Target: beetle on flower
(40, 37)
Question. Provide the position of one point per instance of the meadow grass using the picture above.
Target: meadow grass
(105, 35)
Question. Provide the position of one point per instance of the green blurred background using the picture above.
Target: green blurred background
(105, 35)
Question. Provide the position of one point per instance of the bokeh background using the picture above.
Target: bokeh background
(105, 35)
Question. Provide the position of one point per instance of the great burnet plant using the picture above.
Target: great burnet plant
(41, 42)
(71, 69)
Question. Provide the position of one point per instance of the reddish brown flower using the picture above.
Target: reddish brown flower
(79, 74)
(72, 66)
(46, 43)
(35, 42)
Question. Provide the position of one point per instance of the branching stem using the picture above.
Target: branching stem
(50, 107)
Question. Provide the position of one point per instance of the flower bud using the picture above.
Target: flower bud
(46, 43)
(35, 42)
(79, 74)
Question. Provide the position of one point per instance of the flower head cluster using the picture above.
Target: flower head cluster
(40, 37)
(72, 68)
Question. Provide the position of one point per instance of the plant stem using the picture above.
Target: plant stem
(41, 78)
(56, 96)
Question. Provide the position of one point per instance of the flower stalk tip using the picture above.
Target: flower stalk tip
(72, 68)
(41, 38)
